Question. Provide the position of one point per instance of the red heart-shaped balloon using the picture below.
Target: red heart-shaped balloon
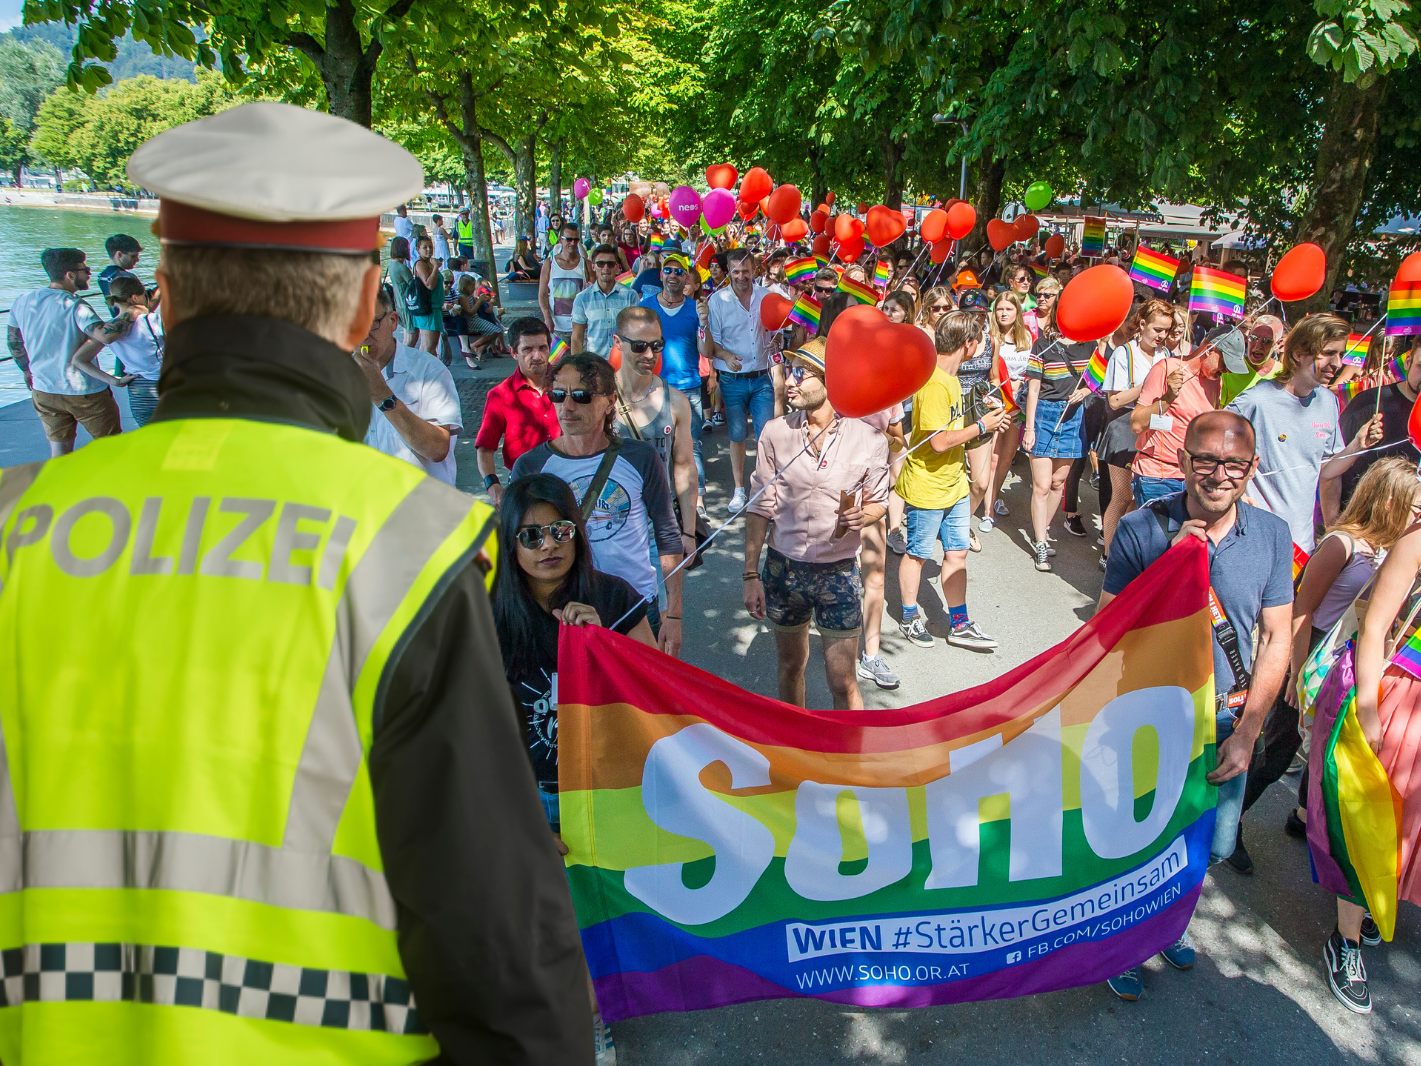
(774, 309)
(796, 229)
(937, 253)
(871, 363)
(933, 227)
(1094, 303)
(884, 225)
(822, 244)
(1055, 245)
(851, 249)
(1409, 273)
(1000, 235)
(756, 185)
(784, 204)
(818, 220)
(961, 217)
(721, 176)
(746, 210)
(843, 227)
(1026, 227)
(1300, 273)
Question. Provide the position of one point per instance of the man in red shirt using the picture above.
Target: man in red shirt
(518, 411)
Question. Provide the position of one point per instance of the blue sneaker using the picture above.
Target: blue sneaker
(1129, 986)
(1180, 954)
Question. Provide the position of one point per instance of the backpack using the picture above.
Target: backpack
(418, 298)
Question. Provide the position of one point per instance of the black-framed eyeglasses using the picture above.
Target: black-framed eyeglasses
(562, 531)
(1204, 465)
(640, 347)
(582, 396)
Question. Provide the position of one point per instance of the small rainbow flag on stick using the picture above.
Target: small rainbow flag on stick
(863, 293)
(1403, 311)
(1093, 237)
(1039, 269)
(805, 312)
(882, 273)
(1093, 376)
(557, 348)
(626, 278)
(797, 270)
(1217, 292)
(1153, 269)
(1358, 345)
(657, 241)
(1348, 390)
(1395, 368)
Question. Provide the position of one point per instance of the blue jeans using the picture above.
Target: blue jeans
(742, 395)
(1229, 808)
(697, 416)
(1147, 489)
(552, 809)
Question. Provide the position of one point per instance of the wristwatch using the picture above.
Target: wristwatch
(388, 403)
(490, 480)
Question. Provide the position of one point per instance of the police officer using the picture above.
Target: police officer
(286, 816)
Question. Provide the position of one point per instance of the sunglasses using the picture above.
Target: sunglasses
(798, 373)
(582, 396)
(941, 308)
(638, 347)
(826, 289)
(673, 270)
(562, 531)
(609, 264)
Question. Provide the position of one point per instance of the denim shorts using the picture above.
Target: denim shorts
(831, 592)
(752, 396)
(1063, 442)
(1148, 489)
(952, 528)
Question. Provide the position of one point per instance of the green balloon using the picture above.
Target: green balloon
(1038, 195)
(595, 197)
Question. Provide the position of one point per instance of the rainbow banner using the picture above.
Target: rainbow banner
(882, 273)
(1358, 345)
(797, 270)
(863, 293)
(1046, 830)
(1403, 310)
(1217, 292)
(805, 312)
(557, 348)
(1153, 269)
(1093, 376)
(1093, 237)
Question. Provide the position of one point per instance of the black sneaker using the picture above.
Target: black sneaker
(1295, 826)
(1240, 860)
(1074, 526)
(968, 635)
(1371, 935)
(1346, 974)
(1042, 553)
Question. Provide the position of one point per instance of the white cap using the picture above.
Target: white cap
(268, 175)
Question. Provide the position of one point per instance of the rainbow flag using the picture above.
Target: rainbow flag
(557, 348)
(1153, 269)
(626, 278)
(1403, 310)
(1348, 390)
(657, 241)
(1217, 292)
(1354, 812)
(797, 270)
(805, 312)
(882, 273)
(1300, 560)
(1045, 830)
(1093, 237)
(864, 294)
(1039, 269)
(1358, 345)
(1396, 368)
(1093, 376)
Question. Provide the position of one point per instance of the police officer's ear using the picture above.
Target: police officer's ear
(359, 326)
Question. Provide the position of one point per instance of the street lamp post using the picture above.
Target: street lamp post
(948, 120)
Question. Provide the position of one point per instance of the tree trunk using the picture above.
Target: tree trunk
(525, 184)
(471, 145)
(892, 184)
(346, 66)
(989, 174)
(555, 177)
(1344, 158)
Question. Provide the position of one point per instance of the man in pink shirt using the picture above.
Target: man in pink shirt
(813, 515)
(1175, 392)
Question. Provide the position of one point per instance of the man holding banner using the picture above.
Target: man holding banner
(1250, 586)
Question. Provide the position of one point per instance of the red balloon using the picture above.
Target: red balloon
(818, 221)
(871, 363)
(885, 225)
(850, 250)
(1413, 424)
(1055, 245)
(634, 208)
(784, 204)
(1094, 303)
(829, 198)
(774, 309)
(822, 244)
(756, 185)
(721, 176)
(1409, 273)
(1027, 226)
(1300, 273)
(961, 217)
(796, 229)
(1000, 235)
(938, 252)
(933, 227)
(844, 227)
(705, 255)
(746, 211)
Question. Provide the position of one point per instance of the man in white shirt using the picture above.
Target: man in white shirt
(404, 227)
(46, 327)
(417, 416)
(740, 348)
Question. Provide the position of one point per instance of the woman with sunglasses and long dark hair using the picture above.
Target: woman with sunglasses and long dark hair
(546, 577)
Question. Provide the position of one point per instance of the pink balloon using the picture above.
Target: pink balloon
(580, 188)
(718, 208)
(685, 205)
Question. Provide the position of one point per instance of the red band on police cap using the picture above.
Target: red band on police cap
(180, 223)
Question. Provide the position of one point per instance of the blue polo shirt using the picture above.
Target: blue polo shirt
(1250, 569)
(680, 329)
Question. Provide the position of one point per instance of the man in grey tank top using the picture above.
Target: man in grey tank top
(648, 409)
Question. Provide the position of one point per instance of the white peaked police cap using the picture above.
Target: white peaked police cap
(274, 176)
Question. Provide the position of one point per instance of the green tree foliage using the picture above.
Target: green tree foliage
(28, 73)
(131, 58)
(14, 148)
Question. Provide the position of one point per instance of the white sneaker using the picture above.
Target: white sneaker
(987, 525)
(603, 1050)
(737, 502)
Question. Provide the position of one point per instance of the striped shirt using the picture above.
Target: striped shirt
(1058, 366)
